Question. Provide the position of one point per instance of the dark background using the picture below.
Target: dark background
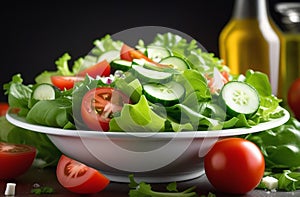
(35, 34)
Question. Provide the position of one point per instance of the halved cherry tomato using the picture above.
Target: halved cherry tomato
(15, 159)
(101, 68)
(79, 178)
(98, 106)
(234, 165)
(65, 82)
(3, 108)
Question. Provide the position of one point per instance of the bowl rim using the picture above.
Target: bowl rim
(21, 122)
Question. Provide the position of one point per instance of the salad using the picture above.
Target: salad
(168, 85)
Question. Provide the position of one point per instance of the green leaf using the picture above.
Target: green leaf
(137, 117)
(172, 187)
(280, 146)
(199, 60)
(143, 189)
(42, 190)
(18, 94)
(54, 113)
(260, 81)
(287, 183)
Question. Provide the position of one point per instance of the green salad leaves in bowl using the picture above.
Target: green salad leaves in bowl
(149, 101)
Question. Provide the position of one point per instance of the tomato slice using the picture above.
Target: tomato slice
(102, 69)
(128, 53)
(15, 159)
(98, 106)
(79, 178)
(3, 108)
(65, 82)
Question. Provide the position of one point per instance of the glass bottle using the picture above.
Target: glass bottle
(290, 45)
(248, 41)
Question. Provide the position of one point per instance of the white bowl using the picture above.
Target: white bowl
(151, 157)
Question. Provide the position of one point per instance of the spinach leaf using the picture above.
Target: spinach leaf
(280, 146)
(54, 113)
(18, 94)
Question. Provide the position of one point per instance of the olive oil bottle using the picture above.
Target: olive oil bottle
(248, 41)
(289, 32)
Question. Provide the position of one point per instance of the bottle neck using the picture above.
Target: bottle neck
(247, 9)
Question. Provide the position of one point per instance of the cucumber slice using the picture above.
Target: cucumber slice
(167, 94)
(177, 63)
(152, 66)
(157, 53)
(139, 62)
(240, 98)
(147, 75)
(44, 91)
(109, 56)
(123, 65)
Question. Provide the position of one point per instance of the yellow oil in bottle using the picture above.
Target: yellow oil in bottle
(242, 46)
(248, 41)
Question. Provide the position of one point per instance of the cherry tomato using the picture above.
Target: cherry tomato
(128, 53)
(79, 178)
(293, 98)
(3, 108)
(98, 106)
(15, 159)
(234, 165)
(65, 82)
(101, 68)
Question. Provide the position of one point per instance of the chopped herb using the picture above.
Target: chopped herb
(42, 190)
(143, 189)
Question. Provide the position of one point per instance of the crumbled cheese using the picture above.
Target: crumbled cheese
(10, 189)
(270, 182)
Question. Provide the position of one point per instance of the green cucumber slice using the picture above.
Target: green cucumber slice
(123, 65)
(139, 62)
(156, 53)
(147, 75)
(240, 98)
(176, 62)
(166, 94)
(44, 91)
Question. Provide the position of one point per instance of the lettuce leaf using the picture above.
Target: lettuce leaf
(62, 68)
(137, 117)
(268, 103)
(199, 60)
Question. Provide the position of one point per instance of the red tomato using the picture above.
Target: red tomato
(65, 82)
(234, 165)
(293, 98)
(79, 178)
(128, 53)
(15, 159)
(98, 106)
(101, 68)
(3, 108)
